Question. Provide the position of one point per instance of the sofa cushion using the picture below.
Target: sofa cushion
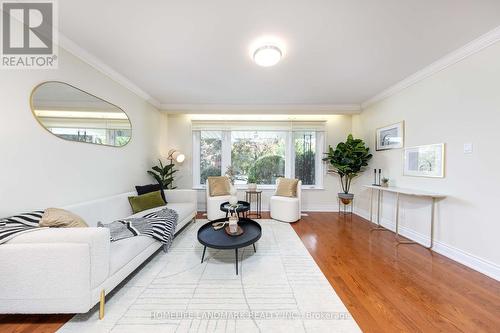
(123, 251)
(287, 187)
(219, 186)
(146, 201)
(145, 189)
(60, 218)
(183, 209)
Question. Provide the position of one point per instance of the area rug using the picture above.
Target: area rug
(279, 289)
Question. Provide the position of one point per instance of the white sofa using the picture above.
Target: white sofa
(286, 209)
(65, 270)
(213, 205)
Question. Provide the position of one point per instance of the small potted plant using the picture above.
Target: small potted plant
(384, 182)
(252, 183)
(347, 160)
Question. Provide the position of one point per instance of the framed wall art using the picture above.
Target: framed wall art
(424, 161)
(390, 137)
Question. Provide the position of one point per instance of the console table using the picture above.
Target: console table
(402, 191)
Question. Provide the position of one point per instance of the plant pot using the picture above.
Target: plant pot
(385, 184)
(252, 187)
(346, 198)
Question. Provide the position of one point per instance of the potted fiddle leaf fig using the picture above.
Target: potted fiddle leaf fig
(347, 160)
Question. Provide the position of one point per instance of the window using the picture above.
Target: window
(305, 156)
(210, 154)
(258, 156)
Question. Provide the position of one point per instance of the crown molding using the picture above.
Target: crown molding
(448, 60)
(263, 108)
(95, 62)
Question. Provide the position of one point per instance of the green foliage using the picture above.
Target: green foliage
(266, 169)
(348, 159)
(164, 174)
(305, 168)
(209, 171)
(245, 153)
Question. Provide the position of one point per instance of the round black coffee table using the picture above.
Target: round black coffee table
(219, 239)
(242, 208)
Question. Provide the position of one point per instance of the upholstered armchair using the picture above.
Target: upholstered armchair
(214, 202)
(286, 208)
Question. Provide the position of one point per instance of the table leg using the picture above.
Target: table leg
(379, 204)
(254, 250)
(236, 253)
(203, 255)
(260, 205)
(397, 225)
(397, 214)
(371, 205)
(433, 208)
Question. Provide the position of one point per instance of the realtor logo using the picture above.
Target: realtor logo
(29, 34)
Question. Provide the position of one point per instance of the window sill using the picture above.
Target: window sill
(263, 187)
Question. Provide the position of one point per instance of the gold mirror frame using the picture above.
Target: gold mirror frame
(32, 108)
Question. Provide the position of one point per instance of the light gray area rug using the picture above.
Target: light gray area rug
(279, 289)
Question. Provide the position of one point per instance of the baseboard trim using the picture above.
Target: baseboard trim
(305, 208)
(474, 262)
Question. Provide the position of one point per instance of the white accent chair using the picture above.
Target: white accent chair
(213, 205)
(286, 209)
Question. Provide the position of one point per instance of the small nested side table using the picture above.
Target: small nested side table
(258, 203)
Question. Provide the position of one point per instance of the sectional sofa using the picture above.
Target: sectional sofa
(69, 270)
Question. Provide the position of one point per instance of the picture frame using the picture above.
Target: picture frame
(390, 136)
(424, 161)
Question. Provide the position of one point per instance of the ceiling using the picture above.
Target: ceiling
(338, 52)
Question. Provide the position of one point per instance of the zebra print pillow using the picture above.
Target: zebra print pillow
(11, 226)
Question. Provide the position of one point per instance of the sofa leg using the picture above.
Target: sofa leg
(101, 304)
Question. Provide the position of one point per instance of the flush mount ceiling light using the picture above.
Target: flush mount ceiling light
(267, 51)
(267, 55)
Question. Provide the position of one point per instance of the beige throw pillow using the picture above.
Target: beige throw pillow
(219, 186)
(60, 218)
(287, 187)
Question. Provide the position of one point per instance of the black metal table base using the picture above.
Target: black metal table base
(258, 203)
(235, 254)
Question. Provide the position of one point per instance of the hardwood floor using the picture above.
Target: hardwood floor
(32, 323)
(405, 288)
(387, 288)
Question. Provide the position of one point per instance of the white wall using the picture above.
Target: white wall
(337, 129)
(458, 105)
(38, 170)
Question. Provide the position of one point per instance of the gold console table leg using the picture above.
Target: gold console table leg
(101, 304)
(379, 204)
(412, 242)
(397, 225)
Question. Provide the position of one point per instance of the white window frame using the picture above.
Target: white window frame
(289, 158)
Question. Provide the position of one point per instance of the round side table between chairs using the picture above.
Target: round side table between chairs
(258, 203)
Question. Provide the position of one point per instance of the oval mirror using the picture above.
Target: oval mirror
(75, 115)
